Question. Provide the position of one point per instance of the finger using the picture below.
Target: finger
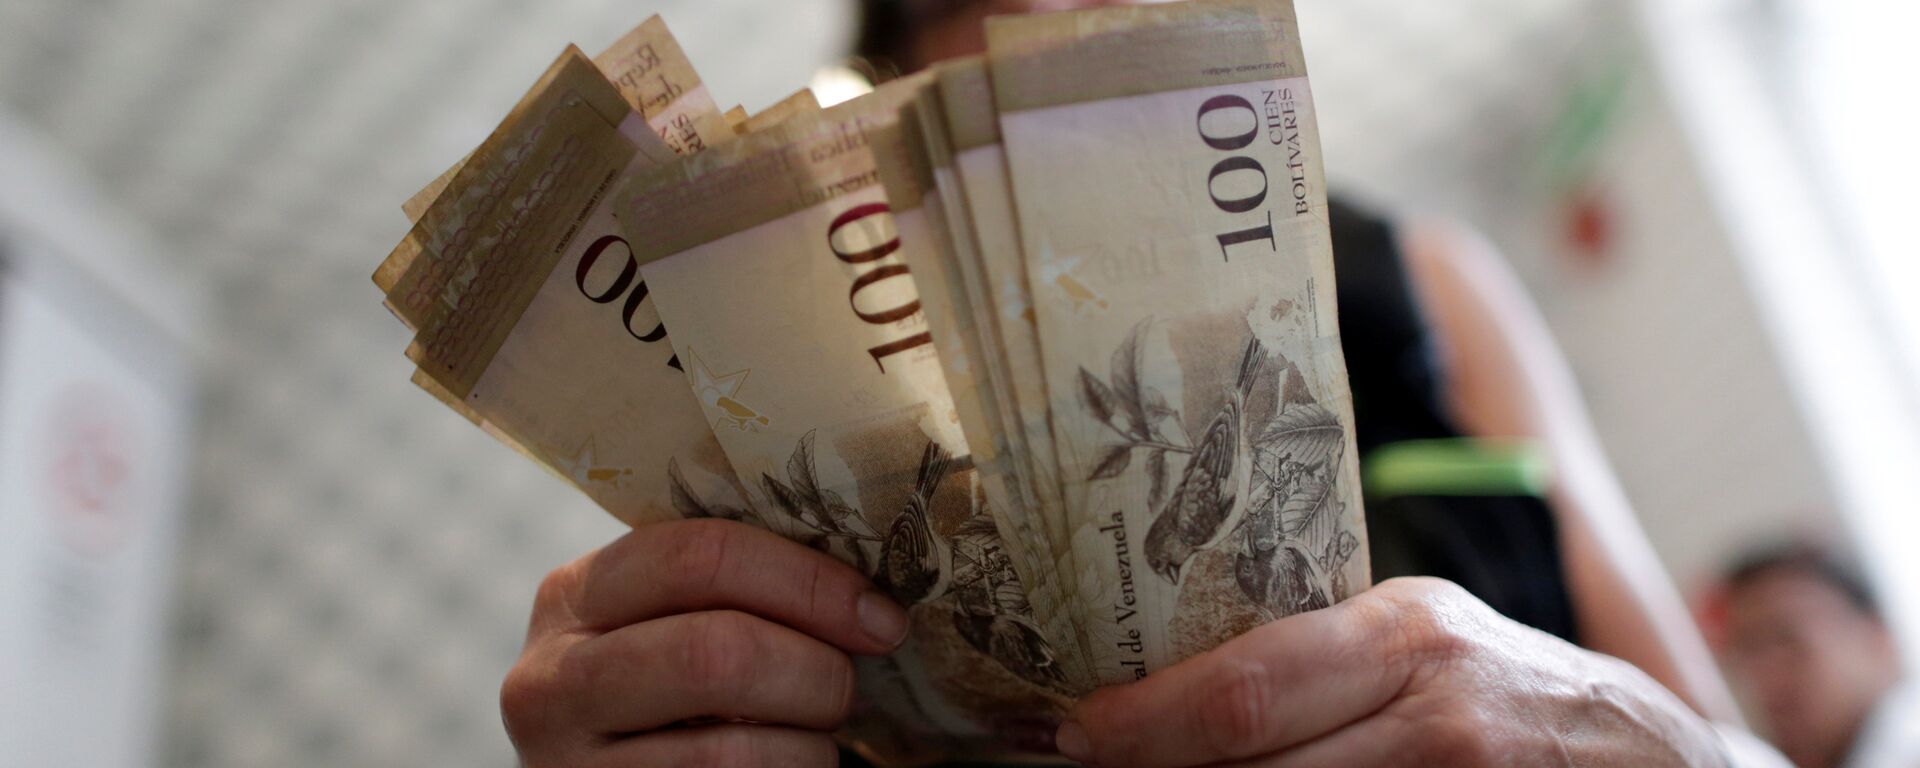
(1279, 685)
(746, 746)
(1370, 743)
(699, 565)
(720, 664)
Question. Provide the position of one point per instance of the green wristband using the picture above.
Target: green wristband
(1456, 467)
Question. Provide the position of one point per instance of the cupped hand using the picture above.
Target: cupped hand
(1411, 672)
(696, 642)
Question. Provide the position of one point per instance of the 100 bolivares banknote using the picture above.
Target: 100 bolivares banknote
(1115, 226)
(1167, 181)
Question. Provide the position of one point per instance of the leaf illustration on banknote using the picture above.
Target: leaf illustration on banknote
(1126, 380)
(1157, 475)
(689, 505)
(1300, 440)
(1144, 409)
(826, 520)
(1295, 548)
(1097, 397)
(1309, 494)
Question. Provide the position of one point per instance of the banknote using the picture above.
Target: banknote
(541, 329)
(954, 259)
(654, 76)
(972, 168)
(926, 252)
(801, 102)
(659, 81)
(1168, 188)
(934, 235)
(778, 269)
(1044, 342)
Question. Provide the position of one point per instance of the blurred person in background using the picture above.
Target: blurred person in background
(1552, 635)
(1803, 639)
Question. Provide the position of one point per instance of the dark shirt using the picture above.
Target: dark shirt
(1503, 549)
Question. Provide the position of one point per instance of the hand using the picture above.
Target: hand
(694, 642)
(1411, 672)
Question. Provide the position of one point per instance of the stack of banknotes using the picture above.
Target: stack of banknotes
(1044, 340)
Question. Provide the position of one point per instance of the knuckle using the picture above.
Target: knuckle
(524, 696)
(556, 590)
(1419, 616)
(1462, 737)
(696, 551)
(1234, 714)
(721, 653)
(1425, 592)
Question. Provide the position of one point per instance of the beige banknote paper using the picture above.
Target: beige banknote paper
(801, 102)
(979, 165)
(544, 332)
(657, 80)
(988, 239)
(950, 229)
(802, 333)
(968, 285)
(934, 233)
(653, 75)
(1167, 182)
(925, 252)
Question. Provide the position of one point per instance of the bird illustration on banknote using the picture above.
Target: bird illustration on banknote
(916, 562)
(991, 611)
(1286, 580)
(1210, 501)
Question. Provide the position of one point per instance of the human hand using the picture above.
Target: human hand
(1411, 672)
(694, 642)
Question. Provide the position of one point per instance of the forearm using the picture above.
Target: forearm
(1506, 378)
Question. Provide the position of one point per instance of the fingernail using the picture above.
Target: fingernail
(1071, 740)
(882, 619)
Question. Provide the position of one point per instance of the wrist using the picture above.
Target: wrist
(1634, 720)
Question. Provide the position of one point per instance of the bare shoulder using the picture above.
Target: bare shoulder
(1500, 363)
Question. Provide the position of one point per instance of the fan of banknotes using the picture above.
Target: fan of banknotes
(1044, 340)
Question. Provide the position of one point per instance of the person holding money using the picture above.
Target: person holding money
(711, 642)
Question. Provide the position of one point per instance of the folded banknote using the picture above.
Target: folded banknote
(1043, 341)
